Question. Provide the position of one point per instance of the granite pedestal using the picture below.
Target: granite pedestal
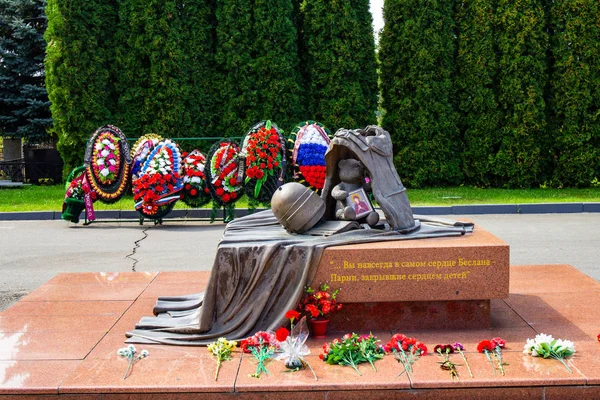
(61, 341)
(436, 283)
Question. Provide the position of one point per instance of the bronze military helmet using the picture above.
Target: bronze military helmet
(297, 207)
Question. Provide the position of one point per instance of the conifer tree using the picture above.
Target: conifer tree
(78, 64)
(24, 105)
(522, 47)
(574, 106)
(476, 72)
(152, 81)
(257, 54)
(416, 52)
(339, 62)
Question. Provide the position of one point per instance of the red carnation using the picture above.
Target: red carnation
(259, 174)
(498, 342)
(485, 345)
(233, 181)
(233, 195)
(292, 314)
(220, 191)
(282, 334)
(226, 198)
(193, 192)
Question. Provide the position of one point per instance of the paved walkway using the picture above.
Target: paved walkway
(32, 252)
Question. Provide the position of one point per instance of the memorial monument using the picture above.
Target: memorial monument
(265, 260)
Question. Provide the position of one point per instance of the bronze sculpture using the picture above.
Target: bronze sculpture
(261, 269)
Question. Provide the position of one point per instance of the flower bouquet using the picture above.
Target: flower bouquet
(195, 193)
(108, 163)
(444, 351)
(129, 353)
(292, 347)
(493, 348)
(157, 188)
(547, 347)
(352, 350)
(406, 351)
(264, 153)
(262, 345)
(221, 350)
(318, 304)
(311, 141)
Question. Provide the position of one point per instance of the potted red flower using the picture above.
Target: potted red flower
(317, 305)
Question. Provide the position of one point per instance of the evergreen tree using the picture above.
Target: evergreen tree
(257, 54)
(416, 52)
(339, 62)
(198, 22)
(476, 65)
(78, 63)
(23, 98)
(153, 83)
(574, 105)
(276, 64)
(522, 46)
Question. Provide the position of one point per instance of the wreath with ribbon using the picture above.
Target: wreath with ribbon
(222, 176)
(157, 188)
(264, 152)
(195, 192)
(310, 141)
(76, 190)
(140, 152)
(108, 163)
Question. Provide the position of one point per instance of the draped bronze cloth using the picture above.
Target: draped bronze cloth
(260, 271)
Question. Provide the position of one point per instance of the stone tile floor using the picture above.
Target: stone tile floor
(61, 341)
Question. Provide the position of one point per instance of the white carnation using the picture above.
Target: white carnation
(112, 161)
(104, 153)
(106, 141)
(104, 172)
(100, 161)
(196, 179)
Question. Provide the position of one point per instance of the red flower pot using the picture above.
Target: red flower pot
(318, 327)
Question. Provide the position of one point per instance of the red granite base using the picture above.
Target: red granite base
(459, 314)
(61, 341)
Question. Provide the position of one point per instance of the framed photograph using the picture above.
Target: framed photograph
(359, 200)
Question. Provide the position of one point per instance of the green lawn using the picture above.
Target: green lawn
(50, 198)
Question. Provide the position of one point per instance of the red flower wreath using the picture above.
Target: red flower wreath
(263, 155)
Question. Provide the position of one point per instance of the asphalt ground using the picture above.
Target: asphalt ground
(32, 252)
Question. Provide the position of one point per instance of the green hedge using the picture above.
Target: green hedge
(574, 105)
(78, 71)
(522, 46)
(339, 63)
(476, 72)
(482, 92)
(416, 51)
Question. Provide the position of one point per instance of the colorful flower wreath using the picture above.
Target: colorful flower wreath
(108, 163)
(157, 188)
(106, 157)
(265, 161)
(140, 151)
(223, 172)
(194, 193)
(310, 143)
